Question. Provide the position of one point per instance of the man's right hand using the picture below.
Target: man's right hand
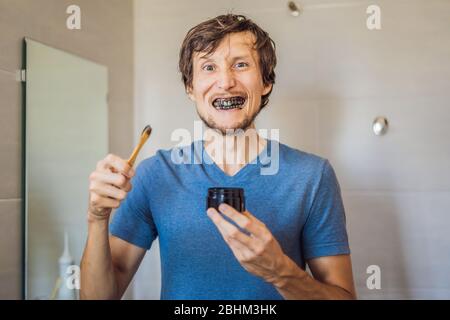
(109, 185)
(108, 263)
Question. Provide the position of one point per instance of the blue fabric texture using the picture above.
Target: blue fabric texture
(300, 204)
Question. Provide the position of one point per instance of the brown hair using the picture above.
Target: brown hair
(207, 36)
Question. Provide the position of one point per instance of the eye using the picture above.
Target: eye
(241, 65)
(208, 67)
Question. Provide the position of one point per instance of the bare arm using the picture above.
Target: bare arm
(261, 255)
(333, 279)
(108, 263)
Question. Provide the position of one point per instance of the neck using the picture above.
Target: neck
(232, 152)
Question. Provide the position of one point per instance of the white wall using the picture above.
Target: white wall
(333, 78)
(106, 38)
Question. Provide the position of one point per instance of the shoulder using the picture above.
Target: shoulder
(164, 158)
(295, 159)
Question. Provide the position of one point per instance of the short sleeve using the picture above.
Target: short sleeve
(324, 232)
(133, 221)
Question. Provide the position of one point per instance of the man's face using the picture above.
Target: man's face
(227, 85)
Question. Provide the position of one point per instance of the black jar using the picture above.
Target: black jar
(231, 196)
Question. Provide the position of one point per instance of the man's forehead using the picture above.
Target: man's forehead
(233, 45)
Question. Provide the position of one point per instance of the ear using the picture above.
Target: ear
(267, 89)
(189, 93)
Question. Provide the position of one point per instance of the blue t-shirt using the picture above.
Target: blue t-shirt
(299, 202)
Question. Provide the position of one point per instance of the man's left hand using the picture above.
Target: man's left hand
(259, 253)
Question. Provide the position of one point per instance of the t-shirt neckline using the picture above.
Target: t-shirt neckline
(214, 170)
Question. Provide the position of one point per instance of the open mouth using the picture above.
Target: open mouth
(236, 102)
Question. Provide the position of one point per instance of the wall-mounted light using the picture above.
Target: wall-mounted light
(293, 8)
(380, 126)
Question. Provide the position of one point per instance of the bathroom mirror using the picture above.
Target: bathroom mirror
(65, 134)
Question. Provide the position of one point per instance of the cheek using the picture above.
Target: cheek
(253, 83)
(202, 85)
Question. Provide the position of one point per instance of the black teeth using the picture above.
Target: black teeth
(229, 103)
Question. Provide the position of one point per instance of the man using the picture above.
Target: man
(295, 216)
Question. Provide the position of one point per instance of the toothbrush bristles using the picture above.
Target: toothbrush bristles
(147, 130)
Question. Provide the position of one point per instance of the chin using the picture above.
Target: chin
(231, 124)
(227, 121)
(229, 129)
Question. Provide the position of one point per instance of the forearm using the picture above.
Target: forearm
(293, 283)
(98, 280)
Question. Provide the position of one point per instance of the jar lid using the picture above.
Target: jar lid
(234, 192)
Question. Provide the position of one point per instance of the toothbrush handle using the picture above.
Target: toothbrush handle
(136, 150)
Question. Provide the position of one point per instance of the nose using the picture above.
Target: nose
(226, 79)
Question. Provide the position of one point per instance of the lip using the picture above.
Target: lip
(225, 96)
(229, 110)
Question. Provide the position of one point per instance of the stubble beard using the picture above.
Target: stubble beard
(243, 125)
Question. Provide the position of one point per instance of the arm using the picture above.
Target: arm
(108, 263)
(330, 266)
(333, 279)
(261, 254)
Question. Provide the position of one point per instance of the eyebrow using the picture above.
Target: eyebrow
(242, 57)
(206, 58)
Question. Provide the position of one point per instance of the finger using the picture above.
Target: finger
(259, 223)
(241, 220)
(116, 179)
(240, 251)
(100, 202)
(252, 217)
(127, 187)
(116, 164)
(227, 230)
(243, 252)
(111, 203)
(107, 190)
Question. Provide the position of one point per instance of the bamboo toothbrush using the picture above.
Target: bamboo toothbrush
(144, 136)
